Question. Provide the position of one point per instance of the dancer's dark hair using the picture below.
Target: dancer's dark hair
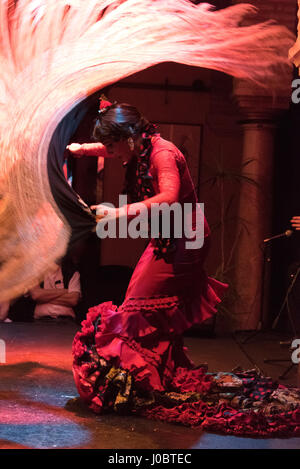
(119, 122)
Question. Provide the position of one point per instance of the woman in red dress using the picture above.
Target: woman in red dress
(169, 291)
(132, 358)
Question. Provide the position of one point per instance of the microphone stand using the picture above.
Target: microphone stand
(266, 260)
(260, 327)
(286, 305)
(261, 324)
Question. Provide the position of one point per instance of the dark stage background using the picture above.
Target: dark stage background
(285, 252)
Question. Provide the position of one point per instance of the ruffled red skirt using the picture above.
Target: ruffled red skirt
(131, 359)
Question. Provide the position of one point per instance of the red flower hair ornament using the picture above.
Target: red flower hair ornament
(104, 105)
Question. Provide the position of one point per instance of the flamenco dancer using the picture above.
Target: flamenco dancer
(169, 290)
(131, 358)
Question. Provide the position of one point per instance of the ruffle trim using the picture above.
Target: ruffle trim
(223, 419)
(243, 403)
(115, 372)
(142, 336)
(172, 315)
(128, 342)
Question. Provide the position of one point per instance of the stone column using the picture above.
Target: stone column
(260, 114)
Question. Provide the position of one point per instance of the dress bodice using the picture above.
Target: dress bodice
(169, 170)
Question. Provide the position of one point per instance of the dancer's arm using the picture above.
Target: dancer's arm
(295, 222)
(168, 177)
(88, 149)
(167, 174)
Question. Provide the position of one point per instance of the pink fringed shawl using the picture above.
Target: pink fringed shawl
(54, 54)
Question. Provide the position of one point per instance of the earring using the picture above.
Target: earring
(131, 144)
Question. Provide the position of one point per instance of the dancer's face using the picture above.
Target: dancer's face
(120, 150)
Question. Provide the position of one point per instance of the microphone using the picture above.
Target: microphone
(286, 234)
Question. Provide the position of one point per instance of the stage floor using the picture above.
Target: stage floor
(36, 389)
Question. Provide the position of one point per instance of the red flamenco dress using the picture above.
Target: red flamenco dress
(131, 359)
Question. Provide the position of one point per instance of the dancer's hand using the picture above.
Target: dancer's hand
(295, 222)
(76, 149)
(106, 212)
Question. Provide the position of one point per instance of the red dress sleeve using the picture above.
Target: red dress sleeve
(166, 173)
(94, 149)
